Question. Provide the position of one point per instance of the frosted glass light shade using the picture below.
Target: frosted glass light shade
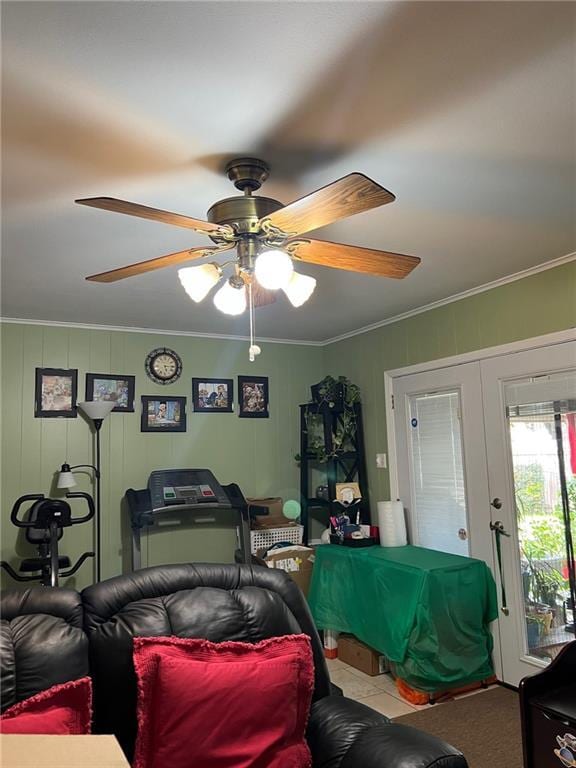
(97, 409)
(197, 281)
(273, 269)
(230, 300)
(299, 289)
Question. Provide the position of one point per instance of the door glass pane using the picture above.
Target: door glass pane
(543, 445)
(439, 515)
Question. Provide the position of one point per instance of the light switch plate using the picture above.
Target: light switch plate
(381, 461)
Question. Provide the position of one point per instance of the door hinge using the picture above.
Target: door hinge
(392, 396)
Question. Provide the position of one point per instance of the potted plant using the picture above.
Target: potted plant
(534, 628)
(337, 396)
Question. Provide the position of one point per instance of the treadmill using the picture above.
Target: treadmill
(188, 491)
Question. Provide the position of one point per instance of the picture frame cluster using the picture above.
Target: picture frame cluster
(56, 397)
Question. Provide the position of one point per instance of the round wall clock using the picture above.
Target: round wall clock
(163, 365)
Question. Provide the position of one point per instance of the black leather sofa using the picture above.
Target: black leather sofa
(50, 636)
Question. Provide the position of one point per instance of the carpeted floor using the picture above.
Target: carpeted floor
(485, 727)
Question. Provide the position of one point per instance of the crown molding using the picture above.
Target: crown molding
(153, 331)
(457, 297)
(301, 342)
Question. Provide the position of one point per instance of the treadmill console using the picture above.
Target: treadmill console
(185, 488)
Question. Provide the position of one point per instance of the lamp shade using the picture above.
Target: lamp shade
(197, 281)
(273, 269)
(230, 300)
(97, 409)
(66, 477)
(299, 289)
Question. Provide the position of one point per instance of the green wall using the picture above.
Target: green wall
(535, 305)
(255, 453)
(258, 454)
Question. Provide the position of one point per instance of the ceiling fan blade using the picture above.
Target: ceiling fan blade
(155, 214)
(340, 256)
(261, 296)
(349, 195)
(140, 267)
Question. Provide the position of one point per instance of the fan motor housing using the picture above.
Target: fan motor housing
(242, 212)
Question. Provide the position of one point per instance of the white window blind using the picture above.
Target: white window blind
(437, 471)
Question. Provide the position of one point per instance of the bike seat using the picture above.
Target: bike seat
(37, 563)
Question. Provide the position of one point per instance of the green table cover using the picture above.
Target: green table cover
(427, 611)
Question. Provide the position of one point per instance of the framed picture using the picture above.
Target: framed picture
(253, 397)
(213, 395)
(163, 414)
(55, 395)
(120, 389)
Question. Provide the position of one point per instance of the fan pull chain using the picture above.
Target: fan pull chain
(254, 350)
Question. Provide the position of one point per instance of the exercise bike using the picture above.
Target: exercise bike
(44, 523)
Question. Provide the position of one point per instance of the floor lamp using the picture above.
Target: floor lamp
(96, 411)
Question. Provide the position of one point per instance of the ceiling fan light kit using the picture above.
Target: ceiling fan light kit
(199, 281)
(266, 237)
(273, 269)
(231, 298)
(299, 289)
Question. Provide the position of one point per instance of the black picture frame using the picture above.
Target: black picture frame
(213, 395)
(253, 399)
(112, 386)
(56, 387)
(174, 419)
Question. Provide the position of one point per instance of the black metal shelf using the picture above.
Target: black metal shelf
(347, 467)
(316, 502)
(311, 456)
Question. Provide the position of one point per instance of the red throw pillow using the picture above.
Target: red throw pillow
(64, 710)
(223, 705)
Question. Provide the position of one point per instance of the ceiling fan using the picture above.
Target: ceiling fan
(267, 237)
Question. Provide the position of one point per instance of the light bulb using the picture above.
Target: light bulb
(299, 289)
(231, 299)
(197, 281)
(273, 269)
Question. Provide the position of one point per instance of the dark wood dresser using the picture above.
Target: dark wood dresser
(548, 713)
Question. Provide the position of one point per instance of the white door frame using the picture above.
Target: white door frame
(445, 362)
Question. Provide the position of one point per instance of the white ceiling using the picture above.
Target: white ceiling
(466, 111)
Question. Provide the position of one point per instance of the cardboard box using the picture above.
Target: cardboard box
(298, 561)
(274, 518)
(361, 656)
(26, 751)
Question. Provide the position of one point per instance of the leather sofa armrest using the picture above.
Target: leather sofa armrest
(343, 733)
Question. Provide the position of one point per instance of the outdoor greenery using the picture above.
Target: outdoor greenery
(541, 535)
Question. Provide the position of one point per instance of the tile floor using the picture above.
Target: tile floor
(378, 692)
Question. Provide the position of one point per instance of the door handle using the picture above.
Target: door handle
(498, 527)
(496, 503)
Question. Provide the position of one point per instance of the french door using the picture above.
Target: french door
(442, 475)
(529, 401)
(485, 461)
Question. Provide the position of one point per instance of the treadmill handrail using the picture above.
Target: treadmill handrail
(190, 507)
